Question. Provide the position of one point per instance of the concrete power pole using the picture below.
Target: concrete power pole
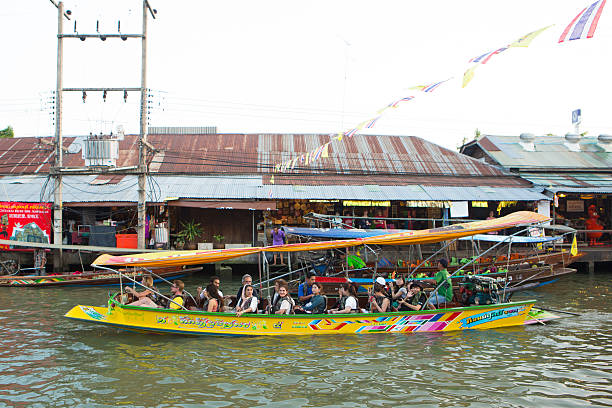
(58, 258)
(142, 165)
(142, 139)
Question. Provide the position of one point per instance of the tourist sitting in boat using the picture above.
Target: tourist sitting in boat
(246, 280)
(443, 282)
(398, 291)
(317, 303)
(178, 296)
(214, 301)
(277, 284)
(305, 289)
(348, 300)
(146, 298)
(379, 302)
(247, 303)
(414, 302)
(215, 281)
(284, 304)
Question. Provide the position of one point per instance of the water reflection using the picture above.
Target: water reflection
(48, 360)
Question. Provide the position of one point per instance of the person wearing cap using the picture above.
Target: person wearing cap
(414, 302)
(444, 285)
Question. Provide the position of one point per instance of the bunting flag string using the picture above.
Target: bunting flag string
(430, 87)
(582, 26)
(482, 59)
(588, 17)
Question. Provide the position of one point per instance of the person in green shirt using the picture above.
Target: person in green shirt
(444, 284)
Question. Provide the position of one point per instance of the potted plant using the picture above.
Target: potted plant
(189, 233)
(218, 243)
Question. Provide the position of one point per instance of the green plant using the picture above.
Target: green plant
(190, 231)
(218, 237)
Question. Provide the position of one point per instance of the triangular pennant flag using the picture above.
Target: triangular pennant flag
(574, 249)
(272, 179)
(468, 75)
(325, 150)
(525, 40)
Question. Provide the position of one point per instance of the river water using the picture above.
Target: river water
(47, 360)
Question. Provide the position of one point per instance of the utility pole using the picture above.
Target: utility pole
(58, 256)
(142, 140)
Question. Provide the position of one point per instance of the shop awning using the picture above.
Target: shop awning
(572, 182)
(225, 205)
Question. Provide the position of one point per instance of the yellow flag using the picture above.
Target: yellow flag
(272, 179)
(340, 136)
(525, 40)
(325, 152)
(418, 87)
(574, 250)
(468, 75)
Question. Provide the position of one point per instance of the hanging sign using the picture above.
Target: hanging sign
(29, 222)
(458, 209)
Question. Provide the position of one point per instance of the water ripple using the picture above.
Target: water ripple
(46, 360)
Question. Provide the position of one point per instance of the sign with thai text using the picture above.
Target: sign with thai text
(29, 222)
(575, 206)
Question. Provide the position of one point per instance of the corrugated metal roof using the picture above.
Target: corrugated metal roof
(254, 153)
(572, 182)
(550, 152)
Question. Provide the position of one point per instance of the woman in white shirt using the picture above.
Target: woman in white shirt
(348, 300)
(284, 304)
(248, 302)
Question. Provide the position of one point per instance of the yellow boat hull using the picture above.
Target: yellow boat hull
(143, 319)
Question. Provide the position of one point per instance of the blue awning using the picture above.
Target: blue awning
(341, 233)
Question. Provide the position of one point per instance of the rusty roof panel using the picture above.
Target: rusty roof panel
(360, 155)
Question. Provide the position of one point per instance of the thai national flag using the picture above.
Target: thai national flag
(372, 122)
(432, 87)
(584, 24)
(351, 132)
(396, 103)
(484, 58)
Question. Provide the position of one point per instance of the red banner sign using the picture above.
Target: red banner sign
(30, 222)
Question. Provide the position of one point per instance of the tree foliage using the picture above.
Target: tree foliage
(7, 133)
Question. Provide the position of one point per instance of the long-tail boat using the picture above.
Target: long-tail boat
(142, 319)
(192, 322)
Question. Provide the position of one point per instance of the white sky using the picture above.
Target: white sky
(280, 66)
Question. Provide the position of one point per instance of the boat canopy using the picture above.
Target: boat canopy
(171, 258)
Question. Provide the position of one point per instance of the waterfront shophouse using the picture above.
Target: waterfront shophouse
(227, 184)
(574, 171)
